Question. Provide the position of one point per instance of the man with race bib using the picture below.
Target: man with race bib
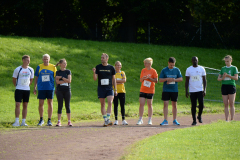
(44, 81)
(196, 82)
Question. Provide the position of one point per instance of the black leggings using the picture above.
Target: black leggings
(66, 95)
(194, 96)
(121, 97)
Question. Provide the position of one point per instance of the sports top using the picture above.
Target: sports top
(23, 76)
(170, 73)
(105, 74)
(230, 71)
(64, 86)
(120, 87)
(45, 76)
(147, 85)
(195, 78)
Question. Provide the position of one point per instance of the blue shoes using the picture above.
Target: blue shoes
(175, 122)
(164, 123)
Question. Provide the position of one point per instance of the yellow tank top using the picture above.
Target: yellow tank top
(120, 87)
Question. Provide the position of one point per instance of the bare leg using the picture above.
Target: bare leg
(174, 110)
(69, 116)
(226, 110)
(40, 109)
(110, 100)
(24, 111)
(231, 103)
(59, 116)
(50, 108)
(150, 107)
(103, 110)
(141, 107)
(17, 109)
(165, 109)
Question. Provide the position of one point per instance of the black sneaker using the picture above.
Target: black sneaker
(41, 122)
(49, 123)
(199, 119)
(194, 123)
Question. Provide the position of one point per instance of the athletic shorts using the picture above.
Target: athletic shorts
(103, 92)
(22, 95)
(146, 95)
(228, 89)
(43, 94)
(166, 96)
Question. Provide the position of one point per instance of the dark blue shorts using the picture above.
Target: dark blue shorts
(103, 92)
(22, 95)
(43, 94)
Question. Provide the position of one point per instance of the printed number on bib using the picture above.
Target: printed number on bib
(25, 82)
(195, 78)
(227, 78)
(45, 78)
(119, 78)
(171, 83)
(104, 81)
(147, 83)
(64, 84)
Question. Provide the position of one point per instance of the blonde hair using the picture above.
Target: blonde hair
(117, 62)
(46, 55)
(148, 60)
(106, 55)
(227, 56)
(61, 61)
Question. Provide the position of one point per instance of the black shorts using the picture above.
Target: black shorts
(166, 96)
(146, 95)
(103, 92)
(22, 95)
(228, 89)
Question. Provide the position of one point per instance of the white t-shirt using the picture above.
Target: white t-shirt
(24, 76)
(195, 78)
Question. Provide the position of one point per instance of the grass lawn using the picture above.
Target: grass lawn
(219, 140)
(82, 56)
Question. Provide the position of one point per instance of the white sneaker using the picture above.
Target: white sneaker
(24, 124)
(15, 124)
(149, 122)
(116, 122)
(140, 121)
(124, 122)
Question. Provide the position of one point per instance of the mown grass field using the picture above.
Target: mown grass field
(219, 140)
(82, 56)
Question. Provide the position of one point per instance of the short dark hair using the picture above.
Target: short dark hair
(172, 60)
(25, 56)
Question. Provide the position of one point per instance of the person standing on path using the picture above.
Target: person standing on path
(22, 79)
(105, 74)
(63, 81)
(120, 80)
(148, 78)
(170, 75)
(44, 82)
(228, 75)
(197, 83)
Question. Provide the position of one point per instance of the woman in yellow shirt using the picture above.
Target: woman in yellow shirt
(120, 79)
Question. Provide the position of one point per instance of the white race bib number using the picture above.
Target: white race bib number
(25, 82)
(195, 78)
(171, 83)
(119, 78)
(45, 78)
(104, 81)
(147, 83)
(64, 84)
(227, 78)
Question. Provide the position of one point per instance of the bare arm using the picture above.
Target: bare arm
(95, 76)
(14, 81)
(35, 85)
(186, 86)
(235, 77)
(67, 80)
(204, 85)
(114, 84)
(31, 80)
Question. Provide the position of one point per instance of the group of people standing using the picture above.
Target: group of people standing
(111, 87)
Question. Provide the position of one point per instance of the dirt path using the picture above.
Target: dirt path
(83, 140)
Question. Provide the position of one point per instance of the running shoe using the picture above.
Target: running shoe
(49, 123)
(140, 121)
(24, 124)
(194, 123)
(124, 122)
(59, 124)
(41, 122)
(15, 124)
(69, 124)
(107, 123)
(199, 119)
(149, 122)
(175, 122)
(164, 123)
(116, 122)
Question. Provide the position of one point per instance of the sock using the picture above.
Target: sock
(59, 120)
(23, 120)
(108, 115)
(105, 117)
(69, 120)
(17, 120)
(140, 118)
(41, 118)
(149, 118)
(49, 119)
